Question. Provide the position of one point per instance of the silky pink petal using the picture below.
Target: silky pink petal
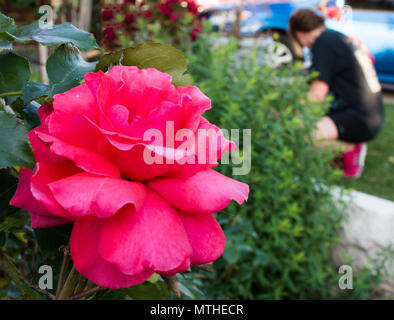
(87, 160)
(38, 221)
(181, 268)
(144, 90)
(45, 173)
(23, 197)
(41, 152)
(87, 260)
(44, 111)
(77, 130)
(151, 238)
(195, 105)
(116, 71)
(210, 144)
(134, 166)
(167, 119)
(207, 191)
(119, 116)
(78, 100)
(205, 236)
(97, 195)
(103, 87)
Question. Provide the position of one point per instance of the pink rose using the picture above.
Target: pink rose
(174, 17)
(131, 218)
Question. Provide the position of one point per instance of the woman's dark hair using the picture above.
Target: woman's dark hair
(304, 20)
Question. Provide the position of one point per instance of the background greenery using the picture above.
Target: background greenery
(279, 243)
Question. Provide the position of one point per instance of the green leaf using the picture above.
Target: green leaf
(154, 278)
(57, 34)
(12, 223)
(66, 68)
(8, 183)
(162, 57)
(148, 291)
(29, 293)
(15, 149)
(8, 265)
(14, 72)
(188, 289)
(31, 117)
(34, 90)
(6, 24)
(5, 45)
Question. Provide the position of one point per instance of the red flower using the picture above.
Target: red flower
(148, 14)
(192, 7)
(165, 9)
(174, 17)
(109, 33)
(194, 33)
(129, 18)
(107, 14)
(131, 218)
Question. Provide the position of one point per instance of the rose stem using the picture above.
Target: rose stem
(63, 270)
(6, 94)
(69, 285)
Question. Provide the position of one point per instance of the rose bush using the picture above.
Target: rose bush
(131, 218)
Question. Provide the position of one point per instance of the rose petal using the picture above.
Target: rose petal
(45, 173)
(23, 197)
(143, 90)
(38, 221)
(205, 236)
(86, 194)
(195, 105)
(141, 168)
(44, 111)
(78, 100)
(40, 151)
(211, 144)
(151, 238)
(207, 191)
(85, 159)
(87, 260)
(167, 119)
(77, 130)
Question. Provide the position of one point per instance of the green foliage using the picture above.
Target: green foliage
(66, 69)
(14, 72)
(163, 57)
(279, 243)
(15, 149)
(51, 35)
(8, 183)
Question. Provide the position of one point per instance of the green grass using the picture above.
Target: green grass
(378, 175)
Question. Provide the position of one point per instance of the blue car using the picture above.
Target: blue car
(264, 18)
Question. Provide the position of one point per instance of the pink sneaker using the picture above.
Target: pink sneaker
(353, 161)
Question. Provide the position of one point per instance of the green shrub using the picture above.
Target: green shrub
(279, 243)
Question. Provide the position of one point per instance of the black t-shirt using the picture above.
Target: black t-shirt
(348, 70)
